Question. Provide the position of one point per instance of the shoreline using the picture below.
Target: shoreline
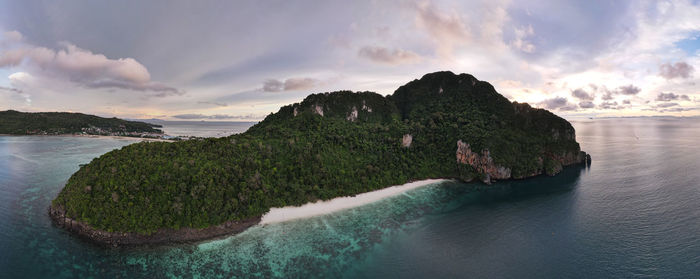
(119, 137)
(318, 208)
(92, 136)
(229, 228)
(166, 236)
(160, 237)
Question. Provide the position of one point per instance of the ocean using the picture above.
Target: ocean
(635, 212)
(201, 128)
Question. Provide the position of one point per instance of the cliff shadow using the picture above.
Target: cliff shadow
(516, 190)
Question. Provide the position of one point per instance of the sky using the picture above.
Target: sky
(241, 60)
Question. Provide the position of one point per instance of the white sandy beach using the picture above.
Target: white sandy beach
(119, 137)
(287, 213)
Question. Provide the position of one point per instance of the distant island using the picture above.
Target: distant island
(65, 123)
(329, 145)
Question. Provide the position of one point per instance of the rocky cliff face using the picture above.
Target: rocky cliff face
(406, 140)
(162, 236)
(554, 163)
(489, 171)
(481, 162)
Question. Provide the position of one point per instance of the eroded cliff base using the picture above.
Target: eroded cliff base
(160, 237)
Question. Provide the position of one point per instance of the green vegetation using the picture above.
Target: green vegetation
(59, 123)
(298, 155)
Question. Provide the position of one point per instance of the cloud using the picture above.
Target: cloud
(667, 97)
(558, 103)
(586, 104)
(299, 83)
(218, 104)
(677, 109)
(82, 66)
(624, 43)
(446, 30)
(569, 107)
(608, 95)
(160, 89)
(582, 95)
(520, 35)
(12, 57)
(555, 102)
(12, 36)
(384, 55)
(17, 94)
(666, 105)
(273, 85)
(677, 70)
(608, 105)
(628, 90)
(10, 89)
(217, 116)
(291, 84)
(626, 102)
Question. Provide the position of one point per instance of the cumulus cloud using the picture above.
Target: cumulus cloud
(555, 102)
(677, 70)
(291, 84)
(12, 57)
(558, 103)
(582, 95)
(446, 30)
(628, 90)
(626, 102)
(388, 56)
(608, 105)
(667, 97)
(586, 104)
(81, 66)
(608, 95)
(217, 116)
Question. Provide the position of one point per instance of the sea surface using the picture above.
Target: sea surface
(634, 213)
(201, 128)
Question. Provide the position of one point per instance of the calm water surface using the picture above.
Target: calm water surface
(634, 213)
(202, 128)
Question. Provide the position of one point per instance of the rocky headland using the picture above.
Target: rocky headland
(327, 146)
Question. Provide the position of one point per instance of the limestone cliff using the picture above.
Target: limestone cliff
(482, 163)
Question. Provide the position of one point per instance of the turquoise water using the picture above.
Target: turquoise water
(634, 213)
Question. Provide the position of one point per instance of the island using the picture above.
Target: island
(329, 145)
(66, 123)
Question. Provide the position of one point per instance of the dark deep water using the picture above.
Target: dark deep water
(634, 213)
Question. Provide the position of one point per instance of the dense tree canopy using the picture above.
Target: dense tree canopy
(58, 123)
(329, 145)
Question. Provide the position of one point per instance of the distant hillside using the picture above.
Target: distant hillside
(60, 123)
